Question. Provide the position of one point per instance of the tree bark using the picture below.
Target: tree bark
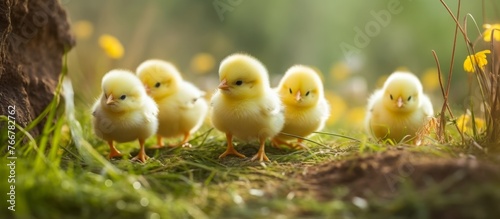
(34, 37)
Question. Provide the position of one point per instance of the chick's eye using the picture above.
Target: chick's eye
(409, 98)
(122, 97)
(239, 82)
(307, 94)
(290, 89)
(391, 97)
(157, 84)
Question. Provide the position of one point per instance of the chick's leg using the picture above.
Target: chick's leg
(159, 142)
(299, 145)
(113, 152)
(184, 143)
(230, 148)
(276, 142)
(141, 156)
(261, 154)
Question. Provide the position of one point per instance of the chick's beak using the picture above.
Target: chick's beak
(110, 99)
(223, 85)
(298, 96)
(148, 90)
(400, 102)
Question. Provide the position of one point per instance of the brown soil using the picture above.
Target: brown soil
(379, 178)
(381, 174)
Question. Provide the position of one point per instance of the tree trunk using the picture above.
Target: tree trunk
(34, 37)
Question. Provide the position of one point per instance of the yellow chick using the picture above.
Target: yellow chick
(245, 106)
(399, 110)
(181, 104)
(124, 112)
(306, 109)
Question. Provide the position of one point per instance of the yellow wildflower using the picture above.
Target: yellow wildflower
(480, 124)
(340, 71)
(356, 117)
(488, 31)
(111, 46)
(462, 122)
(83, 29)
(202, 63)
(338, 107)
(478, 59)
(430, 79)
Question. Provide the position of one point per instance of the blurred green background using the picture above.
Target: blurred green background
(197, 34)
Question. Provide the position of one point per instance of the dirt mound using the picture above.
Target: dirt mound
(34, 36)
(381, 174)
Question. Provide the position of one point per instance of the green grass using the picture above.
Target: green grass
(63, 173)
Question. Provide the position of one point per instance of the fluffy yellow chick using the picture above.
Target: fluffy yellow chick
(181, 104)
(306, 109)
(245, 106)
(400, 109)
(124, 112)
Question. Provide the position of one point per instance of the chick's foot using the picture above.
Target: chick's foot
(113, 152)
(231, 150)
(141, 156)
(261, 154)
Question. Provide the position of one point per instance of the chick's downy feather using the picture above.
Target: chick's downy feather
(306, 109)
(245, 106)
(124, 112)
(182, 105)
(399, 110)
